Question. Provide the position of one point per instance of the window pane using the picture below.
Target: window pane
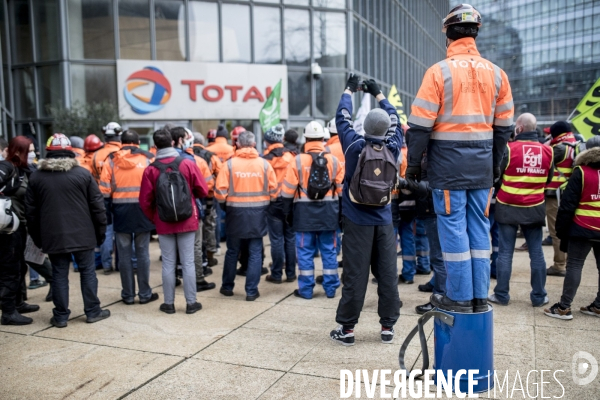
(23, 52)
(297, 38)
(328, 93)
(297, 2)
(330, 3)
(169, 20)
(236, 33)
(91, 29)
(299, 84)
(134, 29)
(49, 88)
(46, 29)
(93, 83)
(24, 93)
(204, 31)
(267, 35)
(330, 39)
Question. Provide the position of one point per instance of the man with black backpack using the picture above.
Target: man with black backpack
(310, 192)
(371, 174)
(168, 191)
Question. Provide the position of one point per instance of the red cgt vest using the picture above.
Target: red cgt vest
(526, 174)
(587, 214)
(563, 168)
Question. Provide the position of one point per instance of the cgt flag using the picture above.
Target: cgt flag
(270, 114)
(588, 122)
(396, 101)
(590, 100)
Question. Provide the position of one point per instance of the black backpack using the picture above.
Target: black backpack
(319, 182)
(205, 155)
(173, 198)
(375, 176)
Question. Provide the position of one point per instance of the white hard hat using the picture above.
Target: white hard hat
(112, 129)
(327, 134)
(331, 126)
(314, 130)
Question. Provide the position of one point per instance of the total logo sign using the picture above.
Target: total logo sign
(170, 90)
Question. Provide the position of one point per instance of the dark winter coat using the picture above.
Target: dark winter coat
(569, 201)
(64, 207)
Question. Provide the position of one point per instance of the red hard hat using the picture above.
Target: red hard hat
(212, 134)
(547, 130)
(92, 143)
(58, 141)
(235, 133)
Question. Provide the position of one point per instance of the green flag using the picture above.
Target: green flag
(591, 99)
(271, 111)
(588, 122)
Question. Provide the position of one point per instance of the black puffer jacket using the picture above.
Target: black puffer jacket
(569, 201)
(64, 207)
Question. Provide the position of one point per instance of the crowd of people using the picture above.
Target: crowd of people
(459, 175)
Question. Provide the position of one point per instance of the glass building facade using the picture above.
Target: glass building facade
(58, 52)
(550, 50)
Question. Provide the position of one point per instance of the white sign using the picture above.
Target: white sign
(174, 90)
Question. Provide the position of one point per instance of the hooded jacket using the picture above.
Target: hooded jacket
(64, 207)
(569, 201)
(280, 158)
(222, 149)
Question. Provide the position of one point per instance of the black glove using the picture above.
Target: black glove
(352, 84)
(289, 219)
(100, 239)
(372, 87)
(413, 175)
(497, 174)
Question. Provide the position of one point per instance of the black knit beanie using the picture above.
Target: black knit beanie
(222, 132)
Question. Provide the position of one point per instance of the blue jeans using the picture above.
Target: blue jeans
(307, 243)
(126, 265)
(283, 248)
(234, 245)
(422, 246)
(464, 236)
(33, 275)
(494, 234)
(533, 237)
(437, 260)
(106, 249)
(407, 242)
(60, 284)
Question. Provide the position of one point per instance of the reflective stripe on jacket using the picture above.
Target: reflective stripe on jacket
(564, 156)
(120, 182)
(587, 214)
(335, 148)
(100, 157)
(313, 215)
(526, 174)
(461, 102)
(247, 185)
(222, 149)
(279, 160)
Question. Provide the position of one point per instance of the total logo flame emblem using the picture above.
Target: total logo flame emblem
(160, 94)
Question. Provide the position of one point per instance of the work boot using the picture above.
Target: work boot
(15, 319)
(480, 305)
(212, 261)
(422, 272)
(427, 287)
(553, 271)
(206, 271)
(241, 271)
(319, 279)
(192, 308)
(402, 279)
(264, 271)
(424, 308)
(167, 308)
(25, 308)
(202, 286)
(36, 284)
(523, 247)
(269, 278)
(446, 304)
(547, 241)
(103, 315)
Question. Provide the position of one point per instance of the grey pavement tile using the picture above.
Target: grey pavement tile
(199, 379)
(295, 319)
(518, 312)
(145, 328)
(261, 349)
(56, 369)
(295, 386)
(562, 371)
(560, 344)
(511, 339)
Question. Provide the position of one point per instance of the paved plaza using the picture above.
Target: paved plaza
(276, 347)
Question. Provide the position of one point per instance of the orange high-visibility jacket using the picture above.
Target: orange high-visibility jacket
(120, 182)
(222, 149)
(78, 152)
(204, 171)
(279, 160)
(100, 157)
(246, 185)
(335, 148)
(86, 161)
(462, 114)
(312, 215)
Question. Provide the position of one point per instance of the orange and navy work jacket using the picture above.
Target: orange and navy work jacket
(526, 174)
(214, 166)
(246, 186)
(280, 158)
(222, 149)
(564, 157)
(120, 185)
(101, 156)
(462, 114)
(312, 215)
(335, 148)
(587, 214)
